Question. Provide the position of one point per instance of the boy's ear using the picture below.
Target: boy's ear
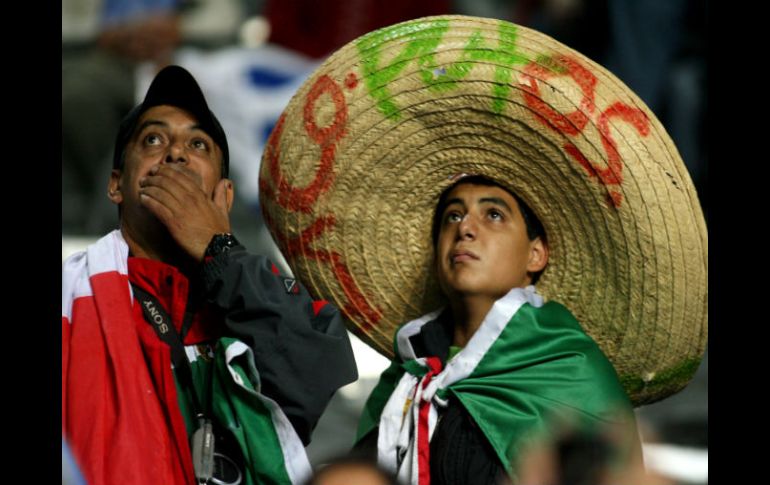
(538, 255)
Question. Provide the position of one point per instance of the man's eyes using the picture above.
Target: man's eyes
(153, 139)
(200, 144)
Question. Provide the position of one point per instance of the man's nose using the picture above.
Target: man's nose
(177, 153)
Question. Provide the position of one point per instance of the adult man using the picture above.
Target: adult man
(255, 360)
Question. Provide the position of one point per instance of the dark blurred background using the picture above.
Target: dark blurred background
(250, 56)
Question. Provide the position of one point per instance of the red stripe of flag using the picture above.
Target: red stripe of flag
(423, 442)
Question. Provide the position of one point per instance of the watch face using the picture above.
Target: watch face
(220, 243)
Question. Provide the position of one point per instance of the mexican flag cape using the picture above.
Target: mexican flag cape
(527, 363)
(113, 412)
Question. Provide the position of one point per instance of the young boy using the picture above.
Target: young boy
(471, 382)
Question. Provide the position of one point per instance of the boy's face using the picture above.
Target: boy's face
(483, 248)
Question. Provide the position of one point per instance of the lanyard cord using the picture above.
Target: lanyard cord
(160, 321)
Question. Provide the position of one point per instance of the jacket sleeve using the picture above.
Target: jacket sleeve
(301, 348)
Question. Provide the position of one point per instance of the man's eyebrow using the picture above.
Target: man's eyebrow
(496, 201)
(163, 124)
(197, 127)
(151, 123)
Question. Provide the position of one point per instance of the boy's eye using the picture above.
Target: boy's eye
(495, 215)
(453, 217)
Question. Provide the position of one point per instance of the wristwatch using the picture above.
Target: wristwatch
(220, 243)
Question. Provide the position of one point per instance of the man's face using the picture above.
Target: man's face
(164, 135)
(483, 248)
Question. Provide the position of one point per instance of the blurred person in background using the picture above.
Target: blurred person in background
(70, 472)
(98, 88)
(352, 470)
(317, 28)
(574, 451)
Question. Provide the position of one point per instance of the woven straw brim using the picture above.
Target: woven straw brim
(353, 170)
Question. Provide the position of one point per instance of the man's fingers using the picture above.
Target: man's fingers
(181, 173)
(220, 195)
(161, 196)
(181, 182)
(182, 188)
(156, 185)
(160, 211)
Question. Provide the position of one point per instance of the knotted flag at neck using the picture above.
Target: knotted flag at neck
(527, 361)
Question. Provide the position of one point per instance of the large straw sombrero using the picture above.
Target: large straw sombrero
(354, 167)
